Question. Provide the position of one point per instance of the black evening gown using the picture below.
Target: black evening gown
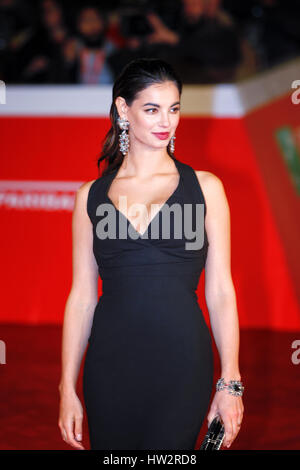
(148, 370)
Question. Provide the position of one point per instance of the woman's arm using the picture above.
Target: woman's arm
(220, 295)
(83, 296)
(219, 289)
(78, 318)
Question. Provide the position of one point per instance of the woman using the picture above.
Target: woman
(148, 371)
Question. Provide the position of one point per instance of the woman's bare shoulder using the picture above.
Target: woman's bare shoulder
(208, 179)
(85, 187)
(82, 192)
(211, 185)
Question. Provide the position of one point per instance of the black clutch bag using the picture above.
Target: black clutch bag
(214, 436)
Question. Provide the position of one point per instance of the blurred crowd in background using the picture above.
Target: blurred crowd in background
(83, 42)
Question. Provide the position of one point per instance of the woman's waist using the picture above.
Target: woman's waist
(146, 279)
(171, 269)
(151, 288)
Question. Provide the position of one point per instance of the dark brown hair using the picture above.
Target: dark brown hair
(135, 77)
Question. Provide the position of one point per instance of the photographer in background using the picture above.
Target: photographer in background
(202, 45)
(34, 54)
(86, 53)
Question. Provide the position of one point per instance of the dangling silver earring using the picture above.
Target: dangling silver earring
(172, 144)
(123, 137)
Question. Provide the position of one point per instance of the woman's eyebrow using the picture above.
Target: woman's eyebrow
(158, 106)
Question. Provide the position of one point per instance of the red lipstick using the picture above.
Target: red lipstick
(161, 135)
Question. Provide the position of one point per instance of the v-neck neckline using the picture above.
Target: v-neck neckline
(141, 235)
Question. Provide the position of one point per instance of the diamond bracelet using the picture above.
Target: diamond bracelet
(234, 387)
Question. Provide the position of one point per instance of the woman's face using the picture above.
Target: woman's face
(155, 111)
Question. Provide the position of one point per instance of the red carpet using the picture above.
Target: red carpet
(30, 398)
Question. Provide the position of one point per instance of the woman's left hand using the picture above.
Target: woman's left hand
(230, 408)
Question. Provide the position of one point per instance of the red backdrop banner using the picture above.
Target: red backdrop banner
(44, 159)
